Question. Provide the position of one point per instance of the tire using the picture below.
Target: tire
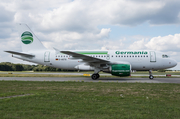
(151, 77)
(95, 76)
(98, 76)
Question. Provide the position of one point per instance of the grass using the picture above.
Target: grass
(89, 100)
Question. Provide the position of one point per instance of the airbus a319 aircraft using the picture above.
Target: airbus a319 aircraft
(117, 62)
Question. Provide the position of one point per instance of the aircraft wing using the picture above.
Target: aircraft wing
(21, 54)
(86, 58)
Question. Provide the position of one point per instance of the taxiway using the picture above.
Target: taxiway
(88, 79)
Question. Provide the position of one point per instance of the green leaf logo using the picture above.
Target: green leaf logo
(27, 37)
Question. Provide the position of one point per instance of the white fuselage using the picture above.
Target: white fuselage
(139, 60)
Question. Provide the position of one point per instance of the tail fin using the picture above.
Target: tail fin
(29, 41)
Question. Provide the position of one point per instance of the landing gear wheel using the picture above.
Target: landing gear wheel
(151, 77)
(98, 76)
(95, 76)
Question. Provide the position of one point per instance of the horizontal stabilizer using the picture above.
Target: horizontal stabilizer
(19, 53)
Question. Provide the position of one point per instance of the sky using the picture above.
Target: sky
(93, 25)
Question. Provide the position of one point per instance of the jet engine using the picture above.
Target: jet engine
(119, 69)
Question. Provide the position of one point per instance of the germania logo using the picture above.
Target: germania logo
(27, 37)
(131, 52)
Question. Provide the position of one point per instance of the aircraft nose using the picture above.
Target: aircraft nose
(173, 63)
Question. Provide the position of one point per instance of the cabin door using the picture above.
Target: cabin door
(152, 56)
(47, 56)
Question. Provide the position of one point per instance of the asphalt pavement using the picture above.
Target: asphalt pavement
(88, 79)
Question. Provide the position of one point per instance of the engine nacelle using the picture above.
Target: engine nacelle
(84, 67)
(119, 69)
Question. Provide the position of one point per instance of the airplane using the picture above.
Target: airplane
(116, 62)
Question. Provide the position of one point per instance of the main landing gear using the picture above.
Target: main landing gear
(95, 76)
(96, 73)
(150, 75)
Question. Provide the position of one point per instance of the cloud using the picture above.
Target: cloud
(75, 40)
(112, 45)
(138, 45)
(166, 43)
(86, 15)
(67, 24)
(160, 43)
(168, 14)
(104, 33)
(5, 15)
(6, 21)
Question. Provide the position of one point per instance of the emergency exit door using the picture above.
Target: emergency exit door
(47, 56)
(152, 56)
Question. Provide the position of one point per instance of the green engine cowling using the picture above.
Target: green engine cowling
(121, 69)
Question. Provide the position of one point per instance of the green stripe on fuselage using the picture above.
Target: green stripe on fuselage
(93, 52)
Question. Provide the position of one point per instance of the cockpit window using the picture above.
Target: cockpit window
(165, 56)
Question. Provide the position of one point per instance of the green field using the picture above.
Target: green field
(89, 100)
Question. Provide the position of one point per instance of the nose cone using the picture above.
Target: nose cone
(173, 62)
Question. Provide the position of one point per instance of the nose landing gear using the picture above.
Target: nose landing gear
(150, 75)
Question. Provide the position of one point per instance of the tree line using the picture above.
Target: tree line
(8, 66)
